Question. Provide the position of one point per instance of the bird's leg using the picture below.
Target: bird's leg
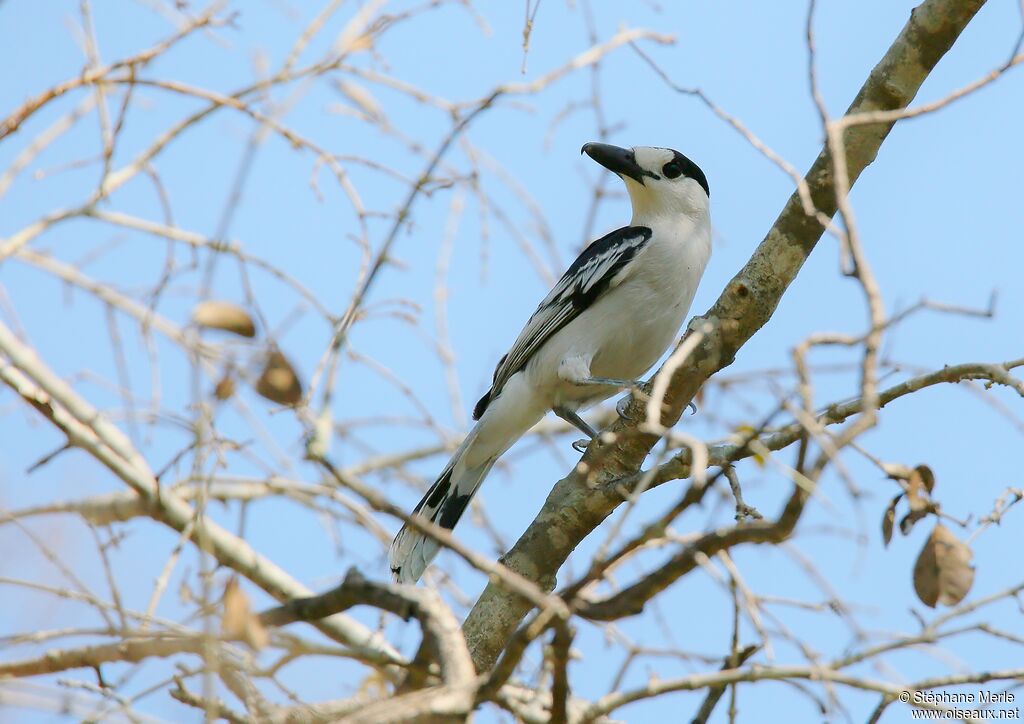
(580, 424)
(576, 421)
(576, 370)
(611, 382)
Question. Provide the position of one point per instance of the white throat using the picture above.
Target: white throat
(651, 208)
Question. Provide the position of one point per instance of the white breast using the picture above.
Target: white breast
(626, 331)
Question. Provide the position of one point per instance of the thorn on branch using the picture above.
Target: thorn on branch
(100, 681)
(48, 457)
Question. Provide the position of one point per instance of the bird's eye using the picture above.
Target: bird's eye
(671, 170)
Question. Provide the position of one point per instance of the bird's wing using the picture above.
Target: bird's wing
(596, 270)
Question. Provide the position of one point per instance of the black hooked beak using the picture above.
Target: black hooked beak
(617, 160)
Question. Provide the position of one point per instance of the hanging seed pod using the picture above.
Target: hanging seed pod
(225, 388)
(238, 622)
(943, 572)
(224, 316)
(278, 381)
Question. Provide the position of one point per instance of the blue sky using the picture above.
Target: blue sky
(939, 213)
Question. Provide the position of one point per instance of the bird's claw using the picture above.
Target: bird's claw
(622, 407)
(581, 446)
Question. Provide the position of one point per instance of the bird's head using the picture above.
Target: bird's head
(659, 180)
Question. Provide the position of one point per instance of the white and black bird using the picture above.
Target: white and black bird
(609, 318)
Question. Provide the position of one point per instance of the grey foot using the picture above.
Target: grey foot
(580, 424)
(613, 382)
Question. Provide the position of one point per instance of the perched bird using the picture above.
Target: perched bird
(605, 323)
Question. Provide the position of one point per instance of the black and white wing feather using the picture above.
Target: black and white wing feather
(595, 271)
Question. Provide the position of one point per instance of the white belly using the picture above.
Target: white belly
(626, 331)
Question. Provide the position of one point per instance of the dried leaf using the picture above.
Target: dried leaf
(239, 623)
(278, 381)
(225, 388)
(889, 519)
(917, 490)
(236, 610)
(943, 572)
(923, 476)
(915, 514)
(361, 97)
(359, 43)
(226, 316)
(920, 482)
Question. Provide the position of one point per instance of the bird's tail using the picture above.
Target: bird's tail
(411, 551)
